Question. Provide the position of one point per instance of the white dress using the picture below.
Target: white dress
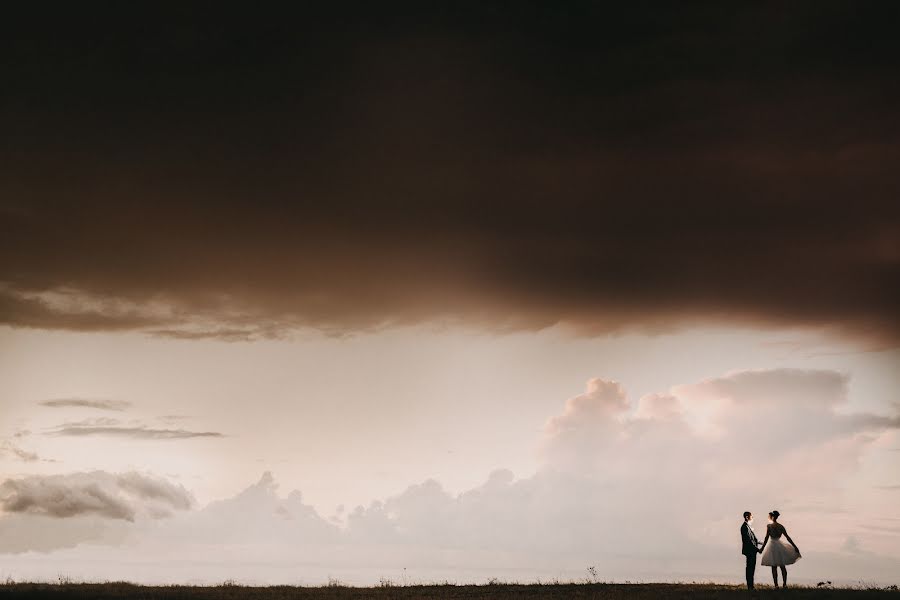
(778, 551)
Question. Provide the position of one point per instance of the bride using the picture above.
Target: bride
(775, 551)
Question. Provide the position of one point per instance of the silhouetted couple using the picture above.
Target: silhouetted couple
(776, 552)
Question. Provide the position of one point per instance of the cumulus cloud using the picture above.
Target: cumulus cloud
(114, 496)
(640, 488)
(258, 515)
(588, 423)
(618, 473)
(787, 408)
(659, 406)
(785, 416)
(102, 404)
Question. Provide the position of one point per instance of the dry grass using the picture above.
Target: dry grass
(491, 591)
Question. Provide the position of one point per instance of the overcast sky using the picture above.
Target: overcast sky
(448, 293)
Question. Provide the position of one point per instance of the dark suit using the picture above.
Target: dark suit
(750, 544)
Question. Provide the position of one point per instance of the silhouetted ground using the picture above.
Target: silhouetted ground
(437, 592)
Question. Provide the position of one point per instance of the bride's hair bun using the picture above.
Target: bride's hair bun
(775, 514)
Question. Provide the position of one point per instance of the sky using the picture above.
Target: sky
(427, 293)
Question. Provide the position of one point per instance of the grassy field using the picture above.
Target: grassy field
(437, 592)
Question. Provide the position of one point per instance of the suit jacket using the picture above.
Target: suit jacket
(748, 540)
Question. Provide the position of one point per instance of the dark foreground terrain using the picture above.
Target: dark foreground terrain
(436, 592)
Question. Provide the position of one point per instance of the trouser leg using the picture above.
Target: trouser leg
(750, 570)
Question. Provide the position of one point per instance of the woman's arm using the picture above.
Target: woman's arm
(765, 541)
(791, 541)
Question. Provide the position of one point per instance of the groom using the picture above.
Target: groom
(750, 548)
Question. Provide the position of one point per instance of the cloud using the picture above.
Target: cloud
(113, 496)
(92, 422)
(28, 533)
(8, 447)
(259, 515)
(589, 423)
(101, 404)
(618, 473)
(789, 407)
(776, 412)
(112, 427)
(171, 419)
(141, 432)
(220, 334)
(32, 311)
(640, 488)
(593, 170)
(659, 406)
(759, 388)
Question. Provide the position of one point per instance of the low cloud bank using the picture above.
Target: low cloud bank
(650, 488)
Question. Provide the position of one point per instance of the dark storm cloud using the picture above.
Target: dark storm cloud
(240, 174)
(101, 404)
